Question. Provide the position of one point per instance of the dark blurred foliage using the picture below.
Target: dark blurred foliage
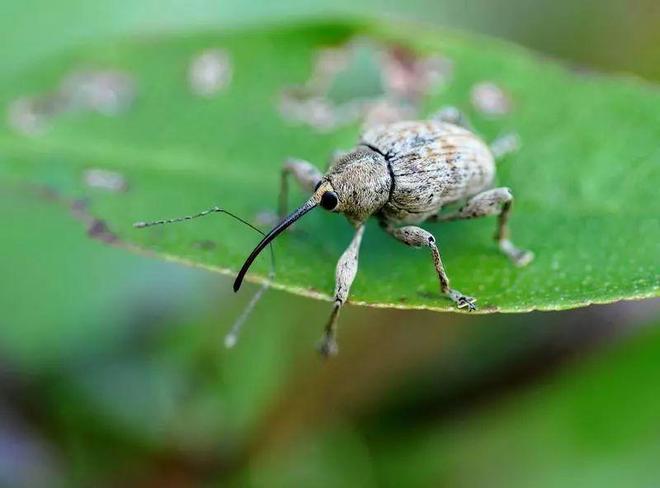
(112, 371)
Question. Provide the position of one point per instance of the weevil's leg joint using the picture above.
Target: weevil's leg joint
(417, 237)
(497, 201)
(486, 203)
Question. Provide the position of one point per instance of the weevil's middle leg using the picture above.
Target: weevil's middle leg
(418, 237)
(307, 176)
(498, 202)
(345, 274)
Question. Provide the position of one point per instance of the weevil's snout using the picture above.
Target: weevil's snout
(277, 230)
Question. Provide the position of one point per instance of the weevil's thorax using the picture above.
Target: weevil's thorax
(361, 179)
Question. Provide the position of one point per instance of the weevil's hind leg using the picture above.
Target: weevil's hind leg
(452, 115)
(498, 202)
(418, 237)
(306, 174)
(345, 274)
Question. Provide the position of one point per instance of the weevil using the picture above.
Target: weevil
(403, 174)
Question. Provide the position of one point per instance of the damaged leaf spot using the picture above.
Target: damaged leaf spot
(489, 99)
(210, 72)
(410, 77)
(31, 115)
(96, 228)
(105, 92)
(105, 180)
(364, 82)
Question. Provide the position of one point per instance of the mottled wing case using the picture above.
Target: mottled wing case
(433, 163)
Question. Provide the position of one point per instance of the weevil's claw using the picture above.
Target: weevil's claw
(463, 301)
(523, 258)
(327, 347)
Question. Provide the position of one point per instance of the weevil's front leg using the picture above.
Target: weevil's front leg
(307, 176)
(345, 274)
(418, 237)
(452, 115)
(498, 202)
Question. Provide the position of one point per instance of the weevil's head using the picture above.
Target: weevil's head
(357, 185)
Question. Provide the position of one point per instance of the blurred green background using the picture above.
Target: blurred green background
(112, 371)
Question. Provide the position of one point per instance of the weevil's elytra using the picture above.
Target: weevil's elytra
(403, 174)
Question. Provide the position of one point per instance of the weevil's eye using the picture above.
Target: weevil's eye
(329, 200)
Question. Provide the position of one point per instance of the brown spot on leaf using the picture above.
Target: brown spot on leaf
(98, 229)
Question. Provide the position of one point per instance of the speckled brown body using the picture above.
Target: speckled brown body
(431, 164)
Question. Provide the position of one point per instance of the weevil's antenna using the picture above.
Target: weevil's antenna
(142, 225)
(232, 336)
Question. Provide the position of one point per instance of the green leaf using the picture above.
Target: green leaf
(594, 424)
(585, 178)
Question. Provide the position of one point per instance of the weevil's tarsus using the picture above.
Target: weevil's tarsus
(232, 336)
(519, 257)
(327, 346)
(417, 237)
(344, 275)
(268, 238)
